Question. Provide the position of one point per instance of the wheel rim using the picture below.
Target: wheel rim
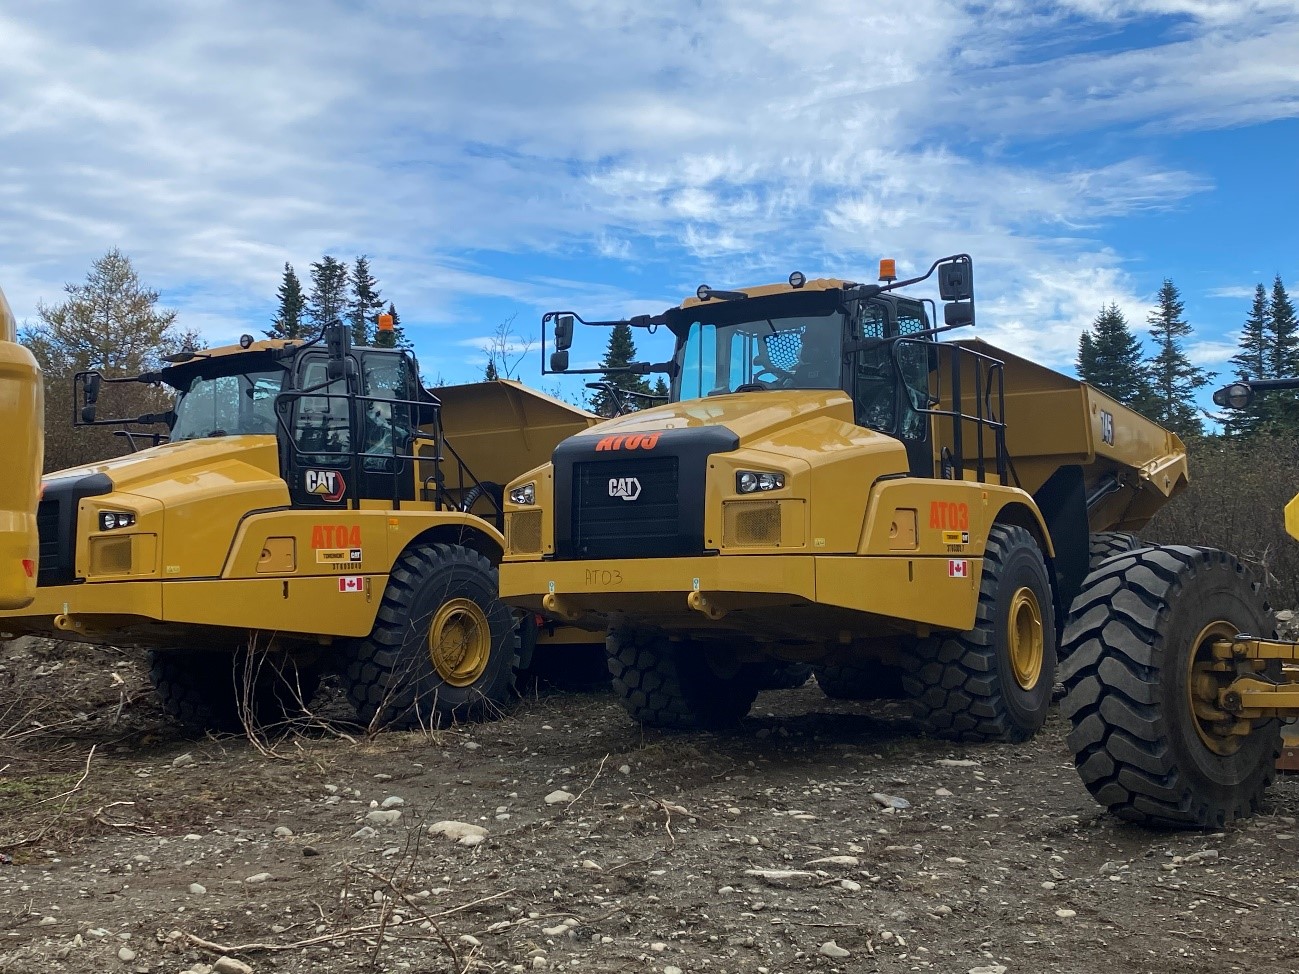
(460, 642)
(1027, 639)
(1221, 732)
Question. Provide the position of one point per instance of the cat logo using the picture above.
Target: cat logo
(328, 485)
(628, 488)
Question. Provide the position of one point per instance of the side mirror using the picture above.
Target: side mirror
(559, 360)
(957, 314)
(89, 395)
(563, 333)
(338, 341)
(1238, 395)
(956, 281)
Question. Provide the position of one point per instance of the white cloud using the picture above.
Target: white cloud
(230, 137)
(1234, 292)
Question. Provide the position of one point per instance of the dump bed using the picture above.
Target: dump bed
(502, 429)
(1131, 465)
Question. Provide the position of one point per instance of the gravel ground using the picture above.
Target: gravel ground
(820, 836)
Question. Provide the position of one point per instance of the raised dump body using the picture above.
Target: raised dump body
(22, 423)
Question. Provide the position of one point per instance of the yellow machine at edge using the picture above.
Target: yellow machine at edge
(22, 427)
(311, 506)
(831, 485)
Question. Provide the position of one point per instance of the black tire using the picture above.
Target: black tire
(779, 674)
(964, 685)
(390, 676)
(869, 680)
(210, 691)
(1104, 545)
(663, 683)
(1135, 738)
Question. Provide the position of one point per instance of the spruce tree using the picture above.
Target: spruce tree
(288, 321)
(660, 388)
(1282, 408)
(1254, 361)
(1109, 357)
(365, 304)
(620, 351)
(328, 300)
(490, 374)
(1174, 379)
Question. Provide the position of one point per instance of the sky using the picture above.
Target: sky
(496, 159)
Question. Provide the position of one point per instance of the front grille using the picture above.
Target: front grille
(523, 532)
(54, 567)
(629, 508)
(751, 523)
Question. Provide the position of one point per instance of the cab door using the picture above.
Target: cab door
(889, 377)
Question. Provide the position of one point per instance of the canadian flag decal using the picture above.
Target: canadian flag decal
(351, 583)
(958, 568)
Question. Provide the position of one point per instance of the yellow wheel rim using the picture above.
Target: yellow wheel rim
(1221, 732)
(1027, 640)
(460, 642)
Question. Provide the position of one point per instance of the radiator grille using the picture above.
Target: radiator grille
(629, 508)
(752, 524)
(523, 532)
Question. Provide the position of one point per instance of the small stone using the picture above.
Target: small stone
(125, 955)
(670, 969)
(470, 939)
(783, 877)
(942, 793)
(592, 865)
(472, 745)
(989, 969)
(183, 760)
(1047, 884)
(1202, 856)
(259, 878)
(726, 889)
(1065, 914)
(956, 763)
(198, 889)
(393, 801)
(538, 963)
(560, 797)
(364, 832)
(310, 850)
(462, 833)
(852, 886)
(46, 922)
(284, 832)
(890, 801)
(955, 860)
(379, 817)
(228, 965)
(658, 947)
(624, 769)
(943, 911)
(832, 949)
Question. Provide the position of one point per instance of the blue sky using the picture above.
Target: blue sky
(499, 159)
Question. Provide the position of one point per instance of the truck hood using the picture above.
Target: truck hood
(747, 414)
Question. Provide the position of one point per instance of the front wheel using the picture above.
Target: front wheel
(224, 691)
(1142, 684)
(994, 682)
(443, 647)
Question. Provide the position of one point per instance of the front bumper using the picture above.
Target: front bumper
(915, 592)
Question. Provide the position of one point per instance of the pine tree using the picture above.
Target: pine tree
(288, 321)
(1174, 379)
(365, 304)
(660, 388)
(328, 299)
(1253, 361)
(1282, 408)
(620, 351)
(1109, 357)
(490, 374)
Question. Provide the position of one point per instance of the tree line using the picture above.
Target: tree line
(338, 294)
(1163, 384)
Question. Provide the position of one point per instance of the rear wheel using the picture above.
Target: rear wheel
(666, 683)
(220, 691)
(1104, 545)
(1148, 738)
(443, 647)
(870, 680)
(994, 682)
(780, 674)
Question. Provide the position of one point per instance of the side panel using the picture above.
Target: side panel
(22, 420)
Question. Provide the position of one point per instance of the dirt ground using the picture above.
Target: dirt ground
(130, 847)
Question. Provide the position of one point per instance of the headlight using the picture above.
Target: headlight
(524, 496)
(112, 520)
(749, 481)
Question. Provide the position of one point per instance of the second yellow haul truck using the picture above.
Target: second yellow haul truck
(831, 484)
(22, 426)
(307, 511)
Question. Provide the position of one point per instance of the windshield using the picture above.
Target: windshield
(228, 405)
(799, 352)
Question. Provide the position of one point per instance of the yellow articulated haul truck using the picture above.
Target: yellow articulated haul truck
(309, 510)
(830, 484)
(1176, 685)
(23, 425)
